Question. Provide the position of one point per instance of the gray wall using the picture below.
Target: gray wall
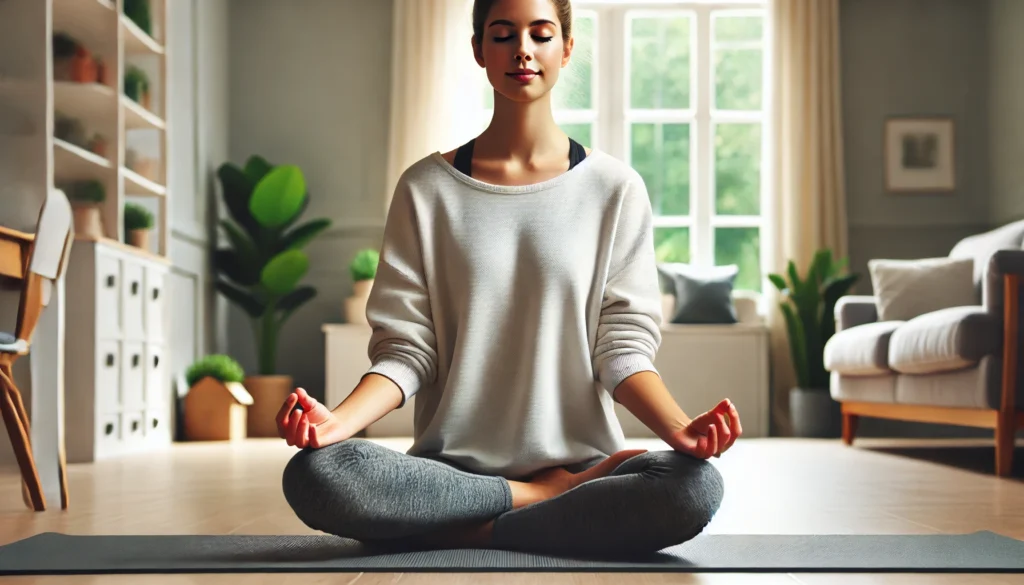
(1006, 110)
(310, 85)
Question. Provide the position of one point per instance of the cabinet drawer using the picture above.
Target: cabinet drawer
(132, 291)
(134, 427)
(133, 376)
(157, 426)
(108, 297)
(154, 304)
(108, 377)
(108, 433)
(156, 379)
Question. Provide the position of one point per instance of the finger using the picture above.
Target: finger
(303, 434)
(293, 425)
(282, 415)
(712, 441)
(308, 402)
(724, 434)
(735, 416)
(314, 438)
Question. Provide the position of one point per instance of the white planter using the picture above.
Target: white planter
(355, 305)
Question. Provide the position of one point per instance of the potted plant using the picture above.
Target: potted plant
(86, 197)
(363, 269)
(136, 85)
(64, 48)
(261, 267)
(139, 12)
(808, 306)
(138, 221)
(217, 402)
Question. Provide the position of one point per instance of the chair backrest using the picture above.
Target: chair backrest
(51, 249)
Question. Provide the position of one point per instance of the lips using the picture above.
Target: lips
(524, 76)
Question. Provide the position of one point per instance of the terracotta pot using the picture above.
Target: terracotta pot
(355, 305)
(146, 101)
(139, 238)
(83, 67)
(268, 394)
(88, 220)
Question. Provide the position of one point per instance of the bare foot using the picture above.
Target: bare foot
(556, 481)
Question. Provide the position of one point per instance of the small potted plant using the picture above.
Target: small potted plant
(138, 221)
(139, 11)
(216, 406)
(136, 85)
(363, 270)
(86, 197)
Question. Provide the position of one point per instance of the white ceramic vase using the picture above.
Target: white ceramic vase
(355, 305)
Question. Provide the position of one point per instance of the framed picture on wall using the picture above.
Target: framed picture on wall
(919, 154)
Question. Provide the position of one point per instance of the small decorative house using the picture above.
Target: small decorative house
(216, 411)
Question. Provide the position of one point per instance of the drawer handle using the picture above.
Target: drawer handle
(155, 422)
(135, 361)
(109, 429)
(135, 288)
(110, 359)
(156, 361)
(135, 425)
(110, 281)
(156, 293)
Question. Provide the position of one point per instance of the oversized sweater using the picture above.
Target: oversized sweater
(512, 313)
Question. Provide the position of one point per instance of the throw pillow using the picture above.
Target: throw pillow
(703, 295)
(905, 289)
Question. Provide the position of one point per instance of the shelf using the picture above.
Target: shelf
(137, 117)
(73, 162)
(136, 41)
(87, 19)
(85, 101)
(126, 248)
(136, 184)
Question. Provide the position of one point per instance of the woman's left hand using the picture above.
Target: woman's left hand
(711, 433)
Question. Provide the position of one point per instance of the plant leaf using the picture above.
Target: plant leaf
(228, 263)
(237, 191)
(797, 345)
(296, 298)
(256, 168)
(244, 247)
(246, 301)
(278, 197)
(302, 235)
(778, 281)
(284, 271)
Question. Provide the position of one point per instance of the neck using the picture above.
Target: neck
(522, 131)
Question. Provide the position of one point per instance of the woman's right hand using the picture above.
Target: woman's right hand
(304, 422)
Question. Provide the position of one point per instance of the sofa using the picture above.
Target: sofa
(937, 341)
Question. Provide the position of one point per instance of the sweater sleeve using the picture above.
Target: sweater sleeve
(629, 328)
(403, 346)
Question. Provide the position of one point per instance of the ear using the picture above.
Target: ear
(567, 51)
(477, 52)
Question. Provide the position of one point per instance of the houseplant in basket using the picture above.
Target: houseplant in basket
(217, 403)
(363, 269)
(261, 268)
(138, 221)
(808, 305)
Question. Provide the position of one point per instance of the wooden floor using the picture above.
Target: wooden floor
(773, 486)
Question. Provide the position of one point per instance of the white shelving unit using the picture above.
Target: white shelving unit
(117, 389)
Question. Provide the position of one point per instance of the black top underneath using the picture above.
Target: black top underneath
(464, 156)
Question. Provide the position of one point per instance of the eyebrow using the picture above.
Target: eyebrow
(510, 23)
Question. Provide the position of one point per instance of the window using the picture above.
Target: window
(677, 89)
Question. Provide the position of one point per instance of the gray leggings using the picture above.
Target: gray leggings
(361, 490)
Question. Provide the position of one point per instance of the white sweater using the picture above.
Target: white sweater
(513, 312)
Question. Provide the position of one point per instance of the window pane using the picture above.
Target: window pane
(740, 246)
(738, 79)
(738, 169)
(573, 89)
(737, 28)
(660, 63)
(661, 154)
(579, 132)
(672, 244)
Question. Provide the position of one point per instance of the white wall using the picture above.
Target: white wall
(310, 85)
(1006, 110)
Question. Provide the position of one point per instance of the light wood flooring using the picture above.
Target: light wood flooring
(773, 486)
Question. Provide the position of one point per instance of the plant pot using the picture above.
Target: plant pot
(139, 238)
(355, 305)
(88, 221)
(815, 414)
(268, 394)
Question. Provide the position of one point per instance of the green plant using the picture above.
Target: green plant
(64, 45)
(139, 11)
(137, 217)
(90, 191)
(364, 265)
(136, 83)
(218, 366)
(808, 306)
(261, 269)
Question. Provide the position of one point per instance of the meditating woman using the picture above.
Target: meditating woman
(517, 298)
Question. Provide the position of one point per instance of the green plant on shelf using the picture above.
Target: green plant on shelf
(364, 265)
(217, 366)
(137, 217)
(88, 192)
(140, 12)
(136, 83)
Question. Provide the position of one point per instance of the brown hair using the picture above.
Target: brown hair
(481, 8)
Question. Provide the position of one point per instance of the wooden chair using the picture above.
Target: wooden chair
(46, 264)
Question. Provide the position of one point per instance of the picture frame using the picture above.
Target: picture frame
(920, 154)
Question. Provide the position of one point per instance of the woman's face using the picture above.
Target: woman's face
(522, 48)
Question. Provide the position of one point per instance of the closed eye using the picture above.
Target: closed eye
(539, 39)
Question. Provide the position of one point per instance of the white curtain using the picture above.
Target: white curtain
(808, 199)
(435, 83)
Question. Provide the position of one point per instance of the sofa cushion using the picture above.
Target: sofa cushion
(909, 288)
(981, 247)
(862, 350)
(703, 295)
(944, 340)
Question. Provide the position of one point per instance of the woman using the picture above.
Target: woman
(517, 297)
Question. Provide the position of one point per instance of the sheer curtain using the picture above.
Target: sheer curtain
(435, 82)
(807, 202)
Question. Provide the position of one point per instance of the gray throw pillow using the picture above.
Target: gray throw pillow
(703, 295)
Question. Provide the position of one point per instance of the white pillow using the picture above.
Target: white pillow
(905, 289)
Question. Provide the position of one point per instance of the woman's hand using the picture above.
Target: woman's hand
(711, 433)
(310, 424)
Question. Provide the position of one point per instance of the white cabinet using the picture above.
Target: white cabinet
(700, 364)
(117, 387)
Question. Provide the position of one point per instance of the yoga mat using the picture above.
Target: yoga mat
(53, 553)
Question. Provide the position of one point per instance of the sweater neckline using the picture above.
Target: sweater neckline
(438, 157)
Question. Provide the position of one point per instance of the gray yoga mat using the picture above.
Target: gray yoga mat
(52, 553)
